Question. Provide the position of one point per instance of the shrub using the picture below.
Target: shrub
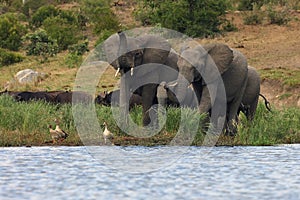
(8, 58)
(73, 60)
(194, 18)
(40, 44)
(63, 32)
(43, 13)
(278, 17)
(249, 4)
(31, 6)
(11, 32)
(79, 48)
(253, 18)
(100, 15)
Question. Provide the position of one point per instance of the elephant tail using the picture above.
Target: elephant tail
(267, 103)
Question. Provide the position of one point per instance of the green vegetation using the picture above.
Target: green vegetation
(11, 32)
(41, 44)
(8, 58)
(27, 124)
(286, 76)
(194, 18)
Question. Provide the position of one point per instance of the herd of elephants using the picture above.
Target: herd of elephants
(212, 78)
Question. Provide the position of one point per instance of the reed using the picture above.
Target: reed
(26, 124)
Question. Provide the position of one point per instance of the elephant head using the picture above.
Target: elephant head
(142, 57)
(202, 65)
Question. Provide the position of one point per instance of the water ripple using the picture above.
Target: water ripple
(199, 172)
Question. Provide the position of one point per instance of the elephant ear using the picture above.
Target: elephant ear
(221, 54)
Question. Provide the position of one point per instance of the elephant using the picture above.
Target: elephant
(167, 98)
(251, 95)
(219, 77)
(143, 62)
(112, 98)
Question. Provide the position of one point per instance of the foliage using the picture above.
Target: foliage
(79, 48)
(43, 13)
(194, 18)
(41, 44)
(249, 4)
(253, 18)
(100, 15)
(104, 35)
(73, 60)
(8, 58)
(11, 32)
(62, 31)
(31, 6)
(278, 17)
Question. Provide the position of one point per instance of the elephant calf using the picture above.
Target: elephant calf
(113, 98)
(167, 98)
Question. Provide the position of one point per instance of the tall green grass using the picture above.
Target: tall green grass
(24, 123)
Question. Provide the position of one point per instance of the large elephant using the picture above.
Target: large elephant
(141, 63)
(211, 69)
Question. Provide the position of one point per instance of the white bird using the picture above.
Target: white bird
(107, 134)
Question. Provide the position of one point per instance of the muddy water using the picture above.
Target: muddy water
(179, 173)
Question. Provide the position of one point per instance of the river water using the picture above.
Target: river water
(113, 172)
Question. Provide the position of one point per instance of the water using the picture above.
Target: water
(196, 173)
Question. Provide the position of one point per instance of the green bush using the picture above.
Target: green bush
(63, 32)
(31, 6)
(8, 58)
(100, 15)
(79, 48)
(194, 18)
(41, 44)
(11, 32)
(73, 60)
(43, 13)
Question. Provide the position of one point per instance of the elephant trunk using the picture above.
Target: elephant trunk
(124, 100)
(122, 51)
(181, 89)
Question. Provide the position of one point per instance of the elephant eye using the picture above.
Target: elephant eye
(138, 54)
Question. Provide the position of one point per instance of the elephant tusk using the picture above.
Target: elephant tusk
(118, 70)
(131, 71)
(173, 84)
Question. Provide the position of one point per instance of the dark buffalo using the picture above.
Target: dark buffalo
(79, 97)
(113, 98)
(34, 96)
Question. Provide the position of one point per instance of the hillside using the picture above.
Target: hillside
(273, 50)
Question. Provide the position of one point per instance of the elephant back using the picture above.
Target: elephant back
(156, 49)
(221, 54)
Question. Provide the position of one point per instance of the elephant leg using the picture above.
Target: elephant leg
(148, 99)
(252, 109)
(232, 110)
(207, 98)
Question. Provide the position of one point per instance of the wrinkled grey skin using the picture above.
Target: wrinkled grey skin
(251, 94)
(167, 98)
(133, 54)
(230, 63)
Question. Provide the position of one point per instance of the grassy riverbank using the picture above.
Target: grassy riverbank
(26, 124)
